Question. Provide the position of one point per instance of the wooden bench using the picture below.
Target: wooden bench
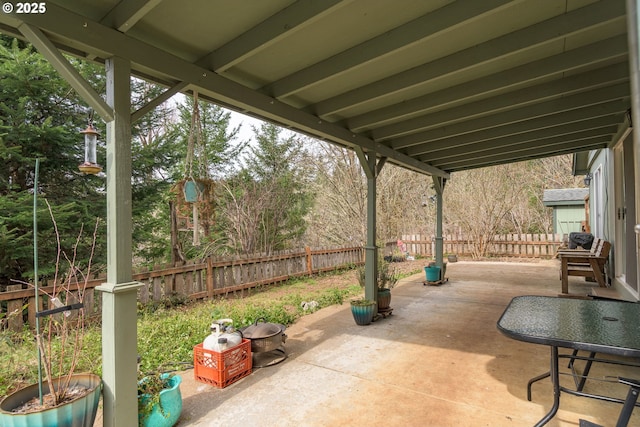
(564, 250)
(588, 264)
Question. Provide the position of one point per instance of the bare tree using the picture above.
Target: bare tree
(480, 202)
(262, 207)
(505, 199)
(339, 213)
(241, 207)
(403, 203)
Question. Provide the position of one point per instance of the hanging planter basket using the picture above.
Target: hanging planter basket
(193, 191)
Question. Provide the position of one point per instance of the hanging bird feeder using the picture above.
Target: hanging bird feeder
(90, 165)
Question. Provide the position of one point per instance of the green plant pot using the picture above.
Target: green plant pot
(171, 402)
(363, 313)
(432, 273)
(80, 412)
(384, 299)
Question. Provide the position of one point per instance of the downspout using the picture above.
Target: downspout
(634, 73)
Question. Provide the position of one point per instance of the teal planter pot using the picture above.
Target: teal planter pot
(171, 402)
(432, 273)
(363, 311)
(80, 412)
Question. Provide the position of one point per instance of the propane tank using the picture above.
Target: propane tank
(222, 336)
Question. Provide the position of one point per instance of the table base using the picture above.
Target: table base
(554, 374)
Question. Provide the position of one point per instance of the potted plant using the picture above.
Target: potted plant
(387, 278)
(159, 399)
(363, 311)
(64, 398)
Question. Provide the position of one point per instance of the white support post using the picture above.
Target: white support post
(438, 185)
(371, 250)
(119, 294)
(367, 163)
(371, 170)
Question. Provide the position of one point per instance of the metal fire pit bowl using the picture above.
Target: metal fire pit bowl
(265, 336)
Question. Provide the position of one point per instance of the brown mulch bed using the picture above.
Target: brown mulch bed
(34, 405)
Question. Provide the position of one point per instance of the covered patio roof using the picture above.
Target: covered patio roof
(434, 86)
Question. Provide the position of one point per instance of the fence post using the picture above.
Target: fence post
(209, 277)
(14, 310)
(31, 310)
(307, 250)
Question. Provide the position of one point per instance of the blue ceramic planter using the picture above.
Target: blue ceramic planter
(432, 273)
(171, 402)
(80, 412)
(363, 314)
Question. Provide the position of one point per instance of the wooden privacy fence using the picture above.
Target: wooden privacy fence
(193, 280)
(504, 245)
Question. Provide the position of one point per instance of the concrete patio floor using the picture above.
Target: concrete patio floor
(437, 361)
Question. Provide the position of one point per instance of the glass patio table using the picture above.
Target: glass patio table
(597, 326)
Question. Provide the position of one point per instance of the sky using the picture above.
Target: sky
(246, 133)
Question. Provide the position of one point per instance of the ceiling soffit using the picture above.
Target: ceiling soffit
(434, 86)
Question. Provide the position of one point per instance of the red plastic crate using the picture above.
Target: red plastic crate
(222, 368)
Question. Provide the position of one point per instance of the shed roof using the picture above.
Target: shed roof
(564, 196)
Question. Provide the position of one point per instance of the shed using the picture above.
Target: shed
(568, 205)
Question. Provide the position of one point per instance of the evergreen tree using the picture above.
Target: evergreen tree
(221, 147)
(214, 158)
(153, 159)
(40, 117)
(267, 201)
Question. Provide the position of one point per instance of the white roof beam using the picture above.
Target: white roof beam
(606, 50)
(127, 13)
(552, 29)
(566, 147)
(164, 96)
(575, 119)
(268, 32)
(550, 113)
(515, 142)
(534, 94)
(66, 70)
(398, 38)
